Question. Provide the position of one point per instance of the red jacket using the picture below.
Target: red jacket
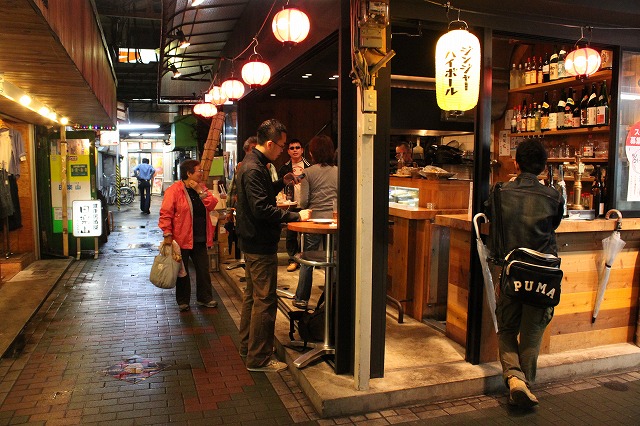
(176, 215)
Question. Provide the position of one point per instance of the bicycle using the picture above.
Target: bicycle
(109, 191)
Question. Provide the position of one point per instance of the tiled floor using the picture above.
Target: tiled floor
(106, 309)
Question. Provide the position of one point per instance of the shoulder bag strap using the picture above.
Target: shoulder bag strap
(497, 198)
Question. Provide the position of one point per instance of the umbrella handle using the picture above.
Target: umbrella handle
(619, 215)
(476, 226)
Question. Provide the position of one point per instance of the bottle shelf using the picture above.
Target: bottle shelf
(583, 159)
(565, 82)
(576, 131)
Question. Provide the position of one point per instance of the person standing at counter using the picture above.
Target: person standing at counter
(259, 220)
(531, 212)
(318, 192)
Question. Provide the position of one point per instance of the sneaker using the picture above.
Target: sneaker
(520, 395)
(273, 366)
(183, 308)
(293, 266)
(300, 304)
(212, 304)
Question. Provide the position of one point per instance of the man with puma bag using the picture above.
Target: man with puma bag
(524, 215)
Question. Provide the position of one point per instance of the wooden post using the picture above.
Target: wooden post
(63, 179)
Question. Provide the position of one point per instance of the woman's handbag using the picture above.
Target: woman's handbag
(532, 277)
(165, 269)
(529, 276)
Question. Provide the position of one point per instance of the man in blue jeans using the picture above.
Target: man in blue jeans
(144, 172)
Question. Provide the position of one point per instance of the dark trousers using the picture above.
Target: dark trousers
(259, 307)
(200, 259)
(144, 187)
(232, 238)
(292, 244)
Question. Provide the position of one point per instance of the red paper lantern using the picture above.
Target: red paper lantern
(582, 62)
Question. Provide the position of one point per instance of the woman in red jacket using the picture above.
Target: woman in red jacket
(184, 217)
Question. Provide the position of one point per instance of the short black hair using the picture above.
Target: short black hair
(187, 166)
(251, 140)
(270, 130)
(531, 156)
(294, 140)
(145, 160)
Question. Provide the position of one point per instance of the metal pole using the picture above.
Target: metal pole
(63, 179)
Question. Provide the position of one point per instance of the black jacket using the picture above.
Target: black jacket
(286, 167)
(531, 212)
(258, 219)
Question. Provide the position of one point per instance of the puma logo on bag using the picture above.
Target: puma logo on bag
(528, 286)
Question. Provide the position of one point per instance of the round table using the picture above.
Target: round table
(328, 229)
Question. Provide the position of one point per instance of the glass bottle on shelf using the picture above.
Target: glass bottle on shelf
(539, 78)
(588, 147)
(513, 77)
(592, 106)
(562, 103)
(531, 124)
(576, 111)
(523, 122)
(602, 111)
(568, 110)
(527, 72)
(537, 118)
(545, 68)
(553, 66)
(562, 72)
(520, 75)
(596, 194)
(584, 100)
(550, 182)
(514, 119)
(544, 112)
(561, 186)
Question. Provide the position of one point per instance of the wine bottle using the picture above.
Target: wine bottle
(513, 76)
(560, 110)
(537, 118)
(568, 110)
(562, 72)
(531, 121)
(520, 75)
(514, 121)
(527, 72)
(544, 112)
(561, 186)
(545, 68)
(576, 111)
(596, 194)
(518, 120)
(523, 122)
(592, 106)
(584, 100)
(602, 112)
(539, 74)
(553, 66)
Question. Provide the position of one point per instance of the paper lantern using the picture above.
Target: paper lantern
(255, 72)
(457, 70)
(582, 62)
(217, 96)
(290, 26)
(205, 109)
(233, 89)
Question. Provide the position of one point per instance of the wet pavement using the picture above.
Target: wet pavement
(103, 312)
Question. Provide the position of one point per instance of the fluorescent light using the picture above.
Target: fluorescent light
(153, 135)
(138, 126)
(336, 76)
(134, 134)
(629, 97)
(317, 97)
(272, 94)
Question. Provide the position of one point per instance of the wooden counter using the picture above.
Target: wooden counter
(580, 248)
(413, 265)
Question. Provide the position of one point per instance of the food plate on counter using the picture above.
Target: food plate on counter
(436, 175)
(321, 220)
(402, 176)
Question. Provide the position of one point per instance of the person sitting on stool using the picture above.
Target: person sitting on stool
(144, 172)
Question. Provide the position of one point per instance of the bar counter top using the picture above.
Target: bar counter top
(419, 213)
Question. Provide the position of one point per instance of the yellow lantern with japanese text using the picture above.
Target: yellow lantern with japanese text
(457, 70)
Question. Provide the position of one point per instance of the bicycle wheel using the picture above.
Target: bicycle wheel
(111, 195)
(126, 195)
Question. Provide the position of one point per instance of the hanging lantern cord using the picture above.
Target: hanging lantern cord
(457, 23)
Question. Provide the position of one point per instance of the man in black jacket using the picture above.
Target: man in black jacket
(531, 212)
(259, 222)
(296, 164)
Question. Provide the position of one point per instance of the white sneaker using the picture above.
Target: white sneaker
(273, 366)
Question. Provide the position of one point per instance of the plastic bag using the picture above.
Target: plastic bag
(165, 269)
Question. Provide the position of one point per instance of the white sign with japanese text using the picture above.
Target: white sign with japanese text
(87, 218)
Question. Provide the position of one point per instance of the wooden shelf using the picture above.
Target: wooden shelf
(565, 82)
(573, 159)
(576, 131)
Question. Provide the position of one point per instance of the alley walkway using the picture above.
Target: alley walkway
(105, 311)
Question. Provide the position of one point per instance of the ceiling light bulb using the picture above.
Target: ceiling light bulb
(196, 3)
(25, 100)
(44, 111)
(64, 121)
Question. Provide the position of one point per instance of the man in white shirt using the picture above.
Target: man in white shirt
(296, 164)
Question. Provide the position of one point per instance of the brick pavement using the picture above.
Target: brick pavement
(103, 310)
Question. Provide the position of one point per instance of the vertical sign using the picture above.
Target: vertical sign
(87, 218)
(632, 149)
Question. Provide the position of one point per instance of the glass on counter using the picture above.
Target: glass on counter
(404, 195)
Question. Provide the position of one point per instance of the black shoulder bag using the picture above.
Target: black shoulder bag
(529, 276)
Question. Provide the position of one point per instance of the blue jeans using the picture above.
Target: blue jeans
(305, 279)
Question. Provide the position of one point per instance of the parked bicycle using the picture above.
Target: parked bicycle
(109, 191)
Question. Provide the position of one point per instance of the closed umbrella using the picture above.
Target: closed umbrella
(483, 254)
(611, 246)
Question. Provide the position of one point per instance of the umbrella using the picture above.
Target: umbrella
(611, 246)
(483, 254)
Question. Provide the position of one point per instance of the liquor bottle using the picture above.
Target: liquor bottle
(531, 120)
(584, 100)
(562, 72)
(513, 77)
(560, 110)
(576, 110)
(539, 78)
(527, 72)
(537, 118)
(545, 68)
(550, 182)
(561, 186)
(518, 116)
(514, 120)
(552, 121)
(596, 194)
(544, 113)
(592, 106)
(602, 112)
(568, 110)
(520, 75)
(523, 122)
(553, 66)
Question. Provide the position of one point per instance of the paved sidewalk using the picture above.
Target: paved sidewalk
(104, 310)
